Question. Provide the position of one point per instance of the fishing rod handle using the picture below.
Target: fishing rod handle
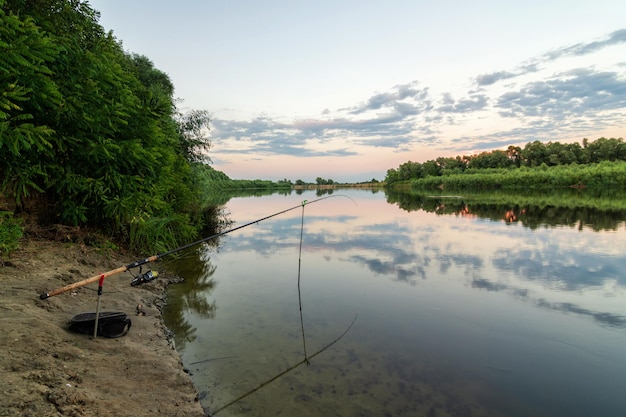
(79, 284)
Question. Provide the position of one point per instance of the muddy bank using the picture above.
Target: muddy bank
(50, 371)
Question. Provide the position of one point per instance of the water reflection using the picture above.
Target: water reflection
(609, 319)
(603, 318)
(466, 307)
(565, 269)
(604, 210)
(191, 295)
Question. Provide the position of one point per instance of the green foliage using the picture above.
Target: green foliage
(214, 181)
(250, 185)
(193, 140)
(26, 87)
(160, 234)
(105, 247)
(605, 174)
(10, 233)
(498, 167)
(92, 131)
(322, 181)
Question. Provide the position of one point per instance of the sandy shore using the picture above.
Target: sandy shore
(50, 371)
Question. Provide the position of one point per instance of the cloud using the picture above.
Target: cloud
(262, 135)
(485, 284)
(504, 109)
(579, 49)
(475, 102)
(575, 92)
(394, 99)
(494, 77)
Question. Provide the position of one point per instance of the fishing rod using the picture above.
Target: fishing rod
(155, 258)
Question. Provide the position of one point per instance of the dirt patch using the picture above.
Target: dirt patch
(49, 371)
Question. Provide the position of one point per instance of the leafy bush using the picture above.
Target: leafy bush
(161, 234)
(10, 233)
(91, 131)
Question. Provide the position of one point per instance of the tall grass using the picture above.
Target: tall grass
(161, 234)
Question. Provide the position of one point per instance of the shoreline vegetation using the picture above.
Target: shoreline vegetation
(599, 163)
(607, 174)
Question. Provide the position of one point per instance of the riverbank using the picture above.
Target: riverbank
(49, 371)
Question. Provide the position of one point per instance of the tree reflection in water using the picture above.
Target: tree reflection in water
(190, 295)
(595, 209)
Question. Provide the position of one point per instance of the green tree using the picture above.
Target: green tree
(93, 130)
(193, 127)
(392, 176)
(514, 153)
(431, 168)
(559, 154)
(579, 153)
(495, 167)
(26, 89)
(534, 154)
(410, 170)
(603, 149)
(492, 159)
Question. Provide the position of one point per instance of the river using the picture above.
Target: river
(464, 307)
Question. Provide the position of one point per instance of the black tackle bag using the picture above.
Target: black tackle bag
(110, 323)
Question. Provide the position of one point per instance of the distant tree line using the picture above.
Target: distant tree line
(318, 181)
(322, 181)
(534, 154)
(214, 180)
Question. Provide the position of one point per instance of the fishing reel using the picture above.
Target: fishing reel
(143, 278)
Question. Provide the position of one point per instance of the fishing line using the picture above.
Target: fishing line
(291, 368)
(306, 359)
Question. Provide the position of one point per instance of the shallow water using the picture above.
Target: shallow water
(458, 314)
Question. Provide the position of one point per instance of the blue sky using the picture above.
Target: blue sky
(349, 89)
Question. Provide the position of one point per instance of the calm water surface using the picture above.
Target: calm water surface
(458, 315)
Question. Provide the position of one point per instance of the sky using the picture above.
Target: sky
(346, 90)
